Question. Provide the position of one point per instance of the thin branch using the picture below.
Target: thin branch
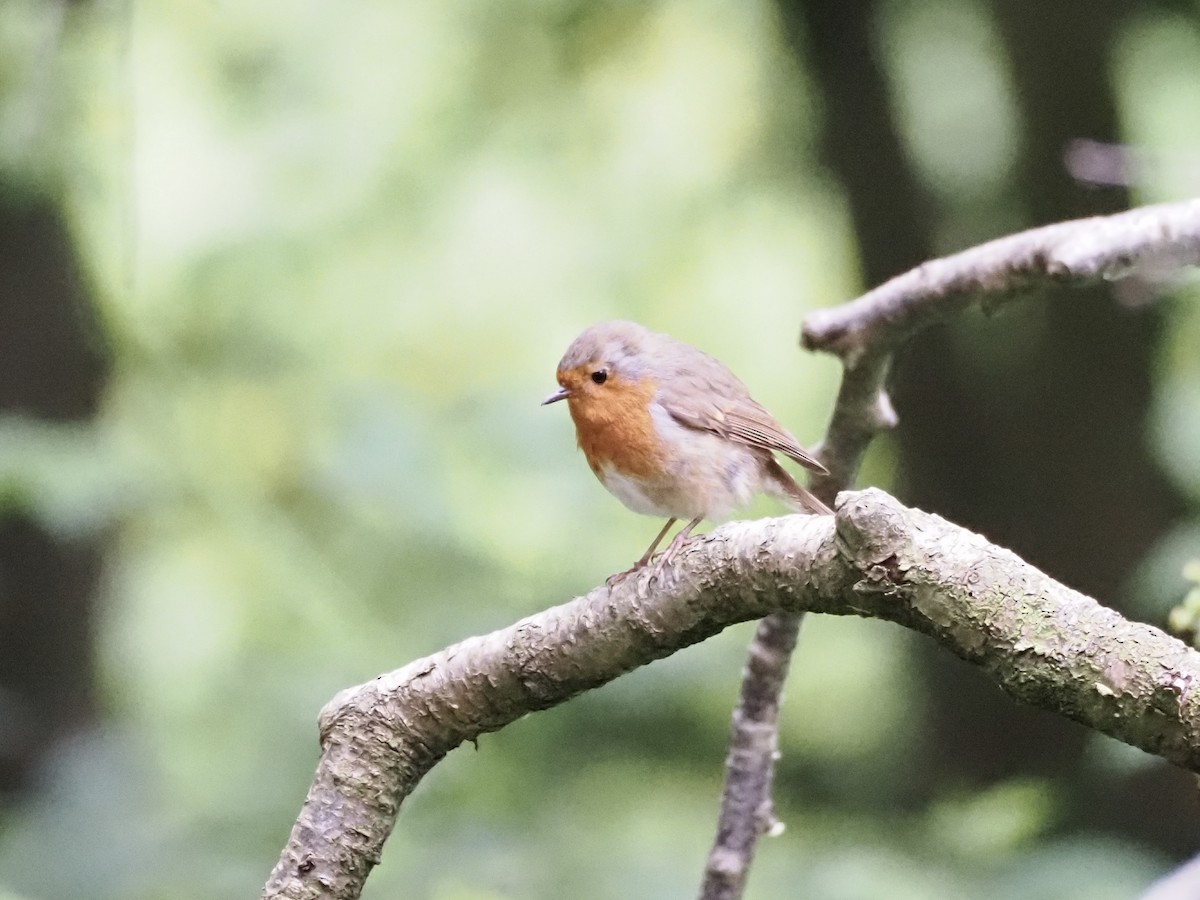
(862, 410)
(1152, 240)
(1040, 641)
(746, 806)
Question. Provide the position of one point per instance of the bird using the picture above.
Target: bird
(672, 433)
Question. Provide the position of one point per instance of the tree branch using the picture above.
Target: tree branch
(862, 410)
(746, 806)
(1042, 642)
(1152, 240)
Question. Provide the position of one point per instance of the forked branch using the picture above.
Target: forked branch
(1040, 641)
(1153, 241)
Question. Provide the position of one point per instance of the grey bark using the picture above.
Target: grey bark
(1040, 641)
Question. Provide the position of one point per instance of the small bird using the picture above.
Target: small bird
(671, 432)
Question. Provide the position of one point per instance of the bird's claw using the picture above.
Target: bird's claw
(616, 578)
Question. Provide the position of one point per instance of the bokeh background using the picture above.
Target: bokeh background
(281, 287)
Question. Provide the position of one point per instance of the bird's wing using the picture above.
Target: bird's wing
(723, 406)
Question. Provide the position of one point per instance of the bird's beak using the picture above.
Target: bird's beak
(560, 394)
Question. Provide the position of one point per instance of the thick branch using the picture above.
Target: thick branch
(1150, 240)
(1042, 642)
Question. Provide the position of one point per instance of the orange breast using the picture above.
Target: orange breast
(614, 428)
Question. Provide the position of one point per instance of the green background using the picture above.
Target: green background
(334, 252)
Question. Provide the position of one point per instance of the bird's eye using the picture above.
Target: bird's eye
(600, 376)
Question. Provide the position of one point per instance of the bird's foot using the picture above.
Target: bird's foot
(613, 580)
(668, 556)
(662, 560)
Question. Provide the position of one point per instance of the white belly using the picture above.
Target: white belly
(707, 476)
(635, 495)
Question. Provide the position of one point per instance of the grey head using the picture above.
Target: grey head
(618, 346)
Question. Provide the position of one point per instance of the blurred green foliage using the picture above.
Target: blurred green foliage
(336, 252)
(1185, 618)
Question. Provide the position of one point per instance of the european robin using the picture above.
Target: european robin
(671, 432)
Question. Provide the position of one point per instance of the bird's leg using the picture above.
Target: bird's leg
(649, 554)
(675, 546)
(646, 557)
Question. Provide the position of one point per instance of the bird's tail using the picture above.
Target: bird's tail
(799, 498)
